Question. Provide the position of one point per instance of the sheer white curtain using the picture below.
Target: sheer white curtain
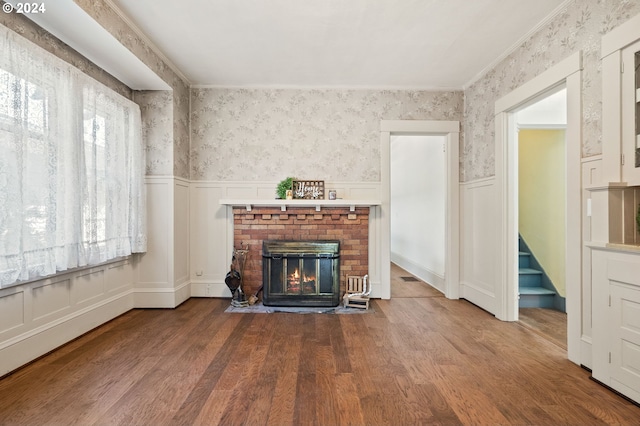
(71, 166)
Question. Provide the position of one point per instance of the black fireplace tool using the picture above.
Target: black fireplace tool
(234, 280)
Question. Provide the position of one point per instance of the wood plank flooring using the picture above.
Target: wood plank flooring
(413, 360)
(549, 323)
(413, 289)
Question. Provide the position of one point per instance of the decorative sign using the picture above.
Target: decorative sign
(308, 189)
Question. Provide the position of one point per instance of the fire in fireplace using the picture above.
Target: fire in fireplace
(301, 273)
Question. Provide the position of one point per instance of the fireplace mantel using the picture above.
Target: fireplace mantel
(285, 204)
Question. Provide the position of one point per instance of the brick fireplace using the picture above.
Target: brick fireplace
(348, 226)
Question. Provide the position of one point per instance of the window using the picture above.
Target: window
(71, 167)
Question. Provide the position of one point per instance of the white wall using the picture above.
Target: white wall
(418, 206)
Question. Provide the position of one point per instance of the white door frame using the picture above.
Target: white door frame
(568, 72)
(451, 131)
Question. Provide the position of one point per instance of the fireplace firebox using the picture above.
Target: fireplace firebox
(301, 273)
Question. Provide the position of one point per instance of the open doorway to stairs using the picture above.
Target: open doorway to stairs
(568, 73)
(541, 162)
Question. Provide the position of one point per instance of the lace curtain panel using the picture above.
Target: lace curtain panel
(71, 166)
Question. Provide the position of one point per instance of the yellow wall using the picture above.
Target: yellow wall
(542, 199)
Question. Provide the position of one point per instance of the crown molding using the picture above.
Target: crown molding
(553, 15)
(328, 87)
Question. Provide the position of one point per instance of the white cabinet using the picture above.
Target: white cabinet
(629, 111)
(616, 320)
(620, 107)
(625, 335)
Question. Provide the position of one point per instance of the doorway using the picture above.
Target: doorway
(418, 166)
(567, 72)
(541, 163)
(541, 173)
(449, 131)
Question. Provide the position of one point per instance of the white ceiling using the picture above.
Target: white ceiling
(428, 44)
(404, 44)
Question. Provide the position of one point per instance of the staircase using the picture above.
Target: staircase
(530, 283)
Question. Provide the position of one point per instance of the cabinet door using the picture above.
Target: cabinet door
(625, 339)
(630, 109)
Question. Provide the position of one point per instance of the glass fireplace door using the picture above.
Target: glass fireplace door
(301, 273)
(301, 276)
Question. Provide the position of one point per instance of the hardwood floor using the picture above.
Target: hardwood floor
(548, 323)
(412, 360)
(413, 289)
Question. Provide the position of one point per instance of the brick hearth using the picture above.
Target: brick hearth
(302, 223)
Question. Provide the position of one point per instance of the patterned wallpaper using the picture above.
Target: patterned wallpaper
(156, 108)
(181, 119)
(579, 27)
(265, 134)
(268, 134)
(101, 11)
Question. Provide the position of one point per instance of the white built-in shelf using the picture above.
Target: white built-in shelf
(624, 247)
(606, 186)
(285, 204)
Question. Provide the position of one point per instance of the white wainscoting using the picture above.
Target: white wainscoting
(211, 237)
(479, 241)
(190, 238)
(591, 176)
(181, 230)
(39, 316)
(163, 275)
(210, 246)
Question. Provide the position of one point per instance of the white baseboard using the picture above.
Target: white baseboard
(37, 342)
(209, 289)
(161, 297)
(478, 296)
(586, 351)
(376, 289)
(434, 280)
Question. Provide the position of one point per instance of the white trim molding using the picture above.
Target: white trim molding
(569, 73)
(451, 130)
